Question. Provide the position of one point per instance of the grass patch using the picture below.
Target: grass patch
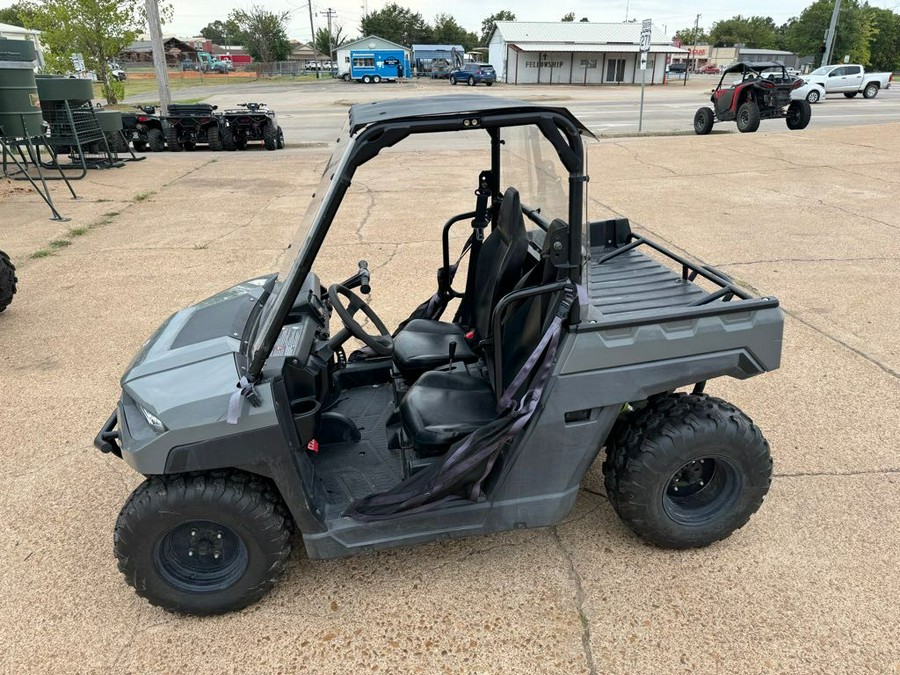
(77, 232)
(57, 244)
(41, 253)
(142, 196)
(113, 214)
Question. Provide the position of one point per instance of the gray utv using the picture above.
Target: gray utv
(251, 424)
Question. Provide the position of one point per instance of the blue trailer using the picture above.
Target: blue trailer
(377, 65)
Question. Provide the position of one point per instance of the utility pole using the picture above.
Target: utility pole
(690, 60)
(328, 14)
(829, 36)
(159, 57)
(312, 28)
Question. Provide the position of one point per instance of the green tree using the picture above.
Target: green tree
(805, 34)
(446, 30)
(584, 19)
(568, 18)
(488, 24)
(325, 43)
(755, 32)
(97, 29)
(17, 14)
(689, 36)
(223, 32)
(265, 33)
(397, 24)
(884, 46)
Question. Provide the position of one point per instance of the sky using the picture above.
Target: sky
(192, 15)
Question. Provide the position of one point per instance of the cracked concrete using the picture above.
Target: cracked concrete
(809, 585)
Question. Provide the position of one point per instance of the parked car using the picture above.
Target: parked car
(474, 73)
(677, 68)
(117, 72)
(189, 64)
(710, 70)
(762, 93)
(850, 79)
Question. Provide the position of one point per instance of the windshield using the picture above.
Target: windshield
(529, 163)
(824, 70)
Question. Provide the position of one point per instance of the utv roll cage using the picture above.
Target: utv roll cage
(376, 126)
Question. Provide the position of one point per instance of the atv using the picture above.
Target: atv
(144, 129)
(189, 125)
(251, 122)
(763, 92)
(252, 425)
(8, 281)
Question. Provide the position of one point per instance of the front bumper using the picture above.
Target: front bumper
(107, 441)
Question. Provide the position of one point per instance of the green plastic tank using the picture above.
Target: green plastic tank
(55, 88)
(110, 120)
(20, 105)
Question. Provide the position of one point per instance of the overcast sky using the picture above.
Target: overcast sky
(192, 15)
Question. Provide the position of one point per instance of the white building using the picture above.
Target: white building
(370, 43)
(559, 52)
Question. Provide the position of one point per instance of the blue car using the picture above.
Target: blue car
(473, 73)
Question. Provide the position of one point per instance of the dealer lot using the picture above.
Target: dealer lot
(810, 584)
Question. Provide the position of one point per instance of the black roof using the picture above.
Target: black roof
(756, 66)
(451, 107)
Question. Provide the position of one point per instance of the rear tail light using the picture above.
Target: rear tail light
(142, 119)
(797, 84)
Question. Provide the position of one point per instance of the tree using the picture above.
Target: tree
(568, 18)
(755, 32)
(325, 43)
(488, 24)
(584, 19)
(17, 14)
(447, 31)
(265, 33)
(397, 24)
(885, 44)
(689, 36)
(805, 34)
(223, 32)
(97, 29)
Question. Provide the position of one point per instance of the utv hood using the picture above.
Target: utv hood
(193, 354)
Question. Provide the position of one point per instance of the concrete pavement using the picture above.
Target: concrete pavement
(809, 585)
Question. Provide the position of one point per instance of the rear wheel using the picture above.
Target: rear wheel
(214, 138)
(117, 142)
(871, 90)
(155, 140)
(703, 121)
(850, 94)
(228, 140)
(453, 80)
(798, 115)
(471, 81)
(8, 281)
(748, 117)
(270, 137)
(488, 84)
(687, 470)
(366, 79)
(813, 96)
(172, 142)
(376, 79)
(279, 139)
(203, 544)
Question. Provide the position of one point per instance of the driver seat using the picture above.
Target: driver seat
(424, 344)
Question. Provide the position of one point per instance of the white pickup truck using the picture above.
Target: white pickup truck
(849, 79)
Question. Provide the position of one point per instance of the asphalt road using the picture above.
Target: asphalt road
(313, 112)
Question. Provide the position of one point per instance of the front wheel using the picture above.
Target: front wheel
(453, 80)
(366, 79)
(270, 137)
(798, 115)
(748, 117)
(703, 121)
(8, 281)
(155, 140)
(871, 90)
(279, 139)
(203, 544)
(686, 470)
(345, 77)
(214, 138)
(471, 81)
(813, 96)
(488, 84)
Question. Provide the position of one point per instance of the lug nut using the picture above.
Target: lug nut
(219, 536)
(216, 555)
(191, 553)
(193, 533)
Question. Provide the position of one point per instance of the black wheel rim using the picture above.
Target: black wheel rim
(701, 490)
(745, 117)
(201, 556)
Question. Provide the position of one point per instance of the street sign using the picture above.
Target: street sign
(644, 61)
(646, 29)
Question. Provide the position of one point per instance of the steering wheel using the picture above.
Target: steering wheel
(382, 344)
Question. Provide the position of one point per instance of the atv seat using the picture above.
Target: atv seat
(424, 344)
(443, 406)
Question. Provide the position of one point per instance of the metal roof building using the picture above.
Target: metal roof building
(560, 52)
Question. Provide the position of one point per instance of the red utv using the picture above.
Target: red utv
(763, 92)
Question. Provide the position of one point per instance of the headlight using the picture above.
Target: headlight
(154, 422)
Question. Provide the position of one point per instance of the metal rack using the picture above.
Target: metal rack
(76, 132)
